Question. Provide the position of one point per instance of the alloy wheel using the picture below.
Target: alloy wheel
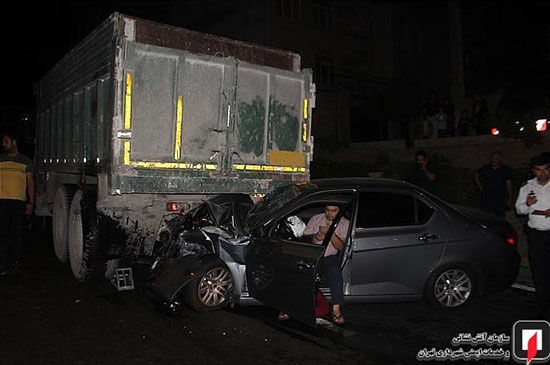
(453, 288)
(215, 287)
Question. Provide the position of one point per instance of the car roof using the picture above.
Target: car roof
(360, 183)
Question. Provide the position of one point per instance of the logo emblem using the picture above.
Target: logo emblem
(531, 342)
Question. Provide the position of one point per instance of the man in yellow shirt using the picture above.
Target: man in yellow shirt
(16, 200)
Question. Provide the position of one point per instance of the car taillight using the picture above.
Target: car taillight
(173, 207)
(510, 237)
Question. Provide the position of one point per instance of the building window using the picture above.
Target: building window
(323, 14)
(291, 9)
(324, 70)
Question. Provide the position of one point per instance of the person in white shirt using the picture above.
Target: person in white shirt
(534, 200)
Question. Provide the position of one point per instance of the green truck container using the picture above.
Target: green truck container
(141, 116)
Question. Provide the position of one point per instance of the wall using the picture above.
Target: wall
(471, 152)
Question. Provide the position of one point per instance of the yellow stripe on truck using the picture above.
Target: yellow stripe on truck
(173, 165)
(127, 152)
(179, 119)
(269, 168)
(127, 116)
(128, 102)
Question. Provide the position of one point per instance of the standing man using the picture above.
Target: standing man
(494, 180)
(423, 175)
(534, 200)
(16, 200)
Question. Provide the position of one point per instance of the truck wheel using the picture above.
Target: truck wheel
(84, 253)
(212, 290)
(60, 219)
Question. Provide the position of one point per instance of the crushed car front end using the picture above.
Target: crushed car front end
(200, 255)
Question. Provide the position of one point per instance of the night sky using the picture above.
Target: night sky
(37, 36)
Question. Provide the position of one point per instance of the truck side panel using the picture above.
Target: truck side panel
(74, 109)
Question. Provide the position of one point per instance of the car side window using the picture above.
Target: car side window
(293, 226)
(389, 209)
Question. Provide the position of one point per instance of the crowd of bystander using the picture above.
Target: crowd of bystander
(439, 118)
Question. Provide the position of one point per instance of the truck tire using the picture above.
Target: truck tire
(84, 253)
(212, 290)
(60, 218)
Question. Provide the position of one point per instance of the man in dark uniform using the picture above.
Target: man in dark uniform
(534, 200)
(494, 180)
(16, 200)
(423, 175)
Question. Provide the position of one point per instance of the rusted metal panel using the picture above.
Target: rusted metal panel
(173, 37)
(162, 183)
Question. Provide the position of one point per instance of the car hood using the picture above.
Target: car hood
(227, 212)
(237, 215)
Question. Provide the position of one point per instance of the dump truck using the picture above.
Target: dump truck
(143, 119)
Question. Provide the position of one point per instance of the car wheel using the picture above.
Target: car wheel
(212, 290)
(84, 254)
(450, 287)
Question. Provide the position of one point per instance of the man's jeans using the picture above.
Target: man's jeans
(12, 213)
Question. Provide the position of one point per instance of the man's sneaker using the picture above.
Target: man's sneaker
(3, 271)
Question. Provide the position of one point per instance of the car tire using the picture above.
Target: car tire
(84, 253)
(450, 287)
(60, 218)
(212, 290)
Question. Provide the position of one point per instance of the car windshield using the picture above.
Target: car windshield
(275, 200)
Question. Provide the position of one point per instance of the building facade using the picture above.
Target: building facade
(374, 62)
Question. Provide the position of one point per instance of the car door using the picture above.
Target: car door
(281, 265)
(399, 237)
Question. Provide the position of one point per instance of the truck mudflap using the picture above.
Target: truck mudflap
(173, 277)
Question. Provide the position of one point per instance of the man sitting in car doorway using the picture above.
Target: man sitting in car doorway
(316, 229)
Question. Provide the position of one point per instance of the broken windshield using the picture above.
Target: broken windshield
(276, 200)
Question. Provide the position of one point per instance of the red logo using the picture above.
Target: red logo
(531, 342)
(532, 348)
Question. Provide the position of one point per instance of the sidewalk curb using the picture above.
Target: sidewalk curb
(523, 287)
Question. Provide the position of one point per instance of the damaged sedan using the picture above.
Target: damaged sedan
(403, 244)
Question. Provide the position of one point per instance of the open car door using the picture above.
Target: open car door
(281, 269)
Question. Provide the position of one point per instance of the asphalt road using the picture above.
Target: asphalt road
(47, 317)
